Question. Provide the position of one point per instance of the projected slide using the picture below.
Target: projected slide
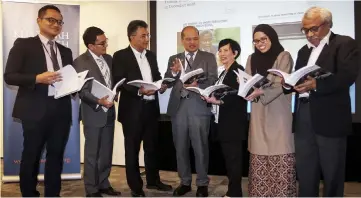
(236, 20)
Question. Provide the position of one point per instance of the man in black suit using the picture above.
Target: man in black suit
(32, 65)
(323, 110)
(97, 114)
(139, 108)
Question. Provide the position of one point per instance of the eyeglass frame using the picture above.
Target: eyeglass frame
(262, 40)
(102, 44)
(313, 29)
(59, 22)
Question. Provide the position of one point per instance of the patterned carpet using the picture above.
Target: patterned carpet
(217, 186)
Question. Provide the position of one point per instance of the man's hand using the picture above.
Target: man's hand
(163, 88)
(211, 100)
(176, 66)
(193, 84)
(48, 78)
(255, 94)
(146, 92)
(104, 102)
(308, 85)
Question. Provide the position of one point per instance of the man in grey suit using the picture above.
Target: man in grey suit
(98, 124)
(190, 115)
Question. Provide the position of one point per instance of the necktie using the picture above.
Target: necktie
(53, 57)
(190, 62)
(105, 71)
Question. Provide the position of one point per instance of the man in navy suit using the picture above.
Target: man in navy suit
(32, 66)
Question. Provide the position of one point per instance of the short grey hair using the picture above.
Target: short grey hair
(325, 14)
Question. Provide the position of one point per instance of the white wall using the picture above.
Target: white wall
(113, 17)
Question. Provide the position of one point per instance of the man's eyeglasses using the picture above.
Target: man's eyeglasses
(105, 43)
(52, 21)
(262, 40)
(313, 29)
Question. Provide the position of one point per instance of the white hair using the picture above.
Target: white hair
(325, 14)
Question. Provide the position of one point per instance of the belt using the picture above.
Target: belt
(304, 99)
(147, 101)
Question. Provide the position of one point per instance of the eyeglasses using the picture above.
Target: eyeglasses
(52, 21)
(262, 40)
(313, 29)
(105, 43)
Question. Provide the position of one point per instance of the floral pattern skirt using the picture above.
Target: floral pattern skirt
(272, 176)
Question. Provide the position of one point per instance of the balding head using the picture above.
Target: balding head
(190, 38)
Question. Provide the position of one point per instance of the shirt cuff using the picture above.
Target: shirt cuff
(174, 74)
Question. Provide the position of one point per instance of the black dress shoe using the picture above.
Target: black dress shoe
(138, 194)
(202, 191)
(110, 191)
(97, 194)
(159, 186)
(181, 190)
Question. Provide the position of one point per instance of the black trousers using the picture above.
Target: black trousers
(232, 153)
(317, 154)
(51, 132)
(134, 133)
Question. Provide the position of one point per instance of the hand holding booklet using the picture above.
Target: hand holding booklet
(71, 81)
(300, 75)
(208, 91)
(188, 78)
(150, 85)
(100, 91)
(248, 83)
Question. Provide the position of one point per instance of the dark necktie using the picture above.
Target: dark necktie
(53, 57)
(190, 61)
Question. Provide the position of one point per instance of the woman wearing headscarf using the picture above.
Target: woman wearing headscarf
(272, 155)
(230, 117)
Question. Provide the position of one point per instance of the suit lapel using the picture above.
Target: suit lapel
(94, 67)
(133, 61)
(197, 60)
(304, 56)
(40, 49)
(325, 51)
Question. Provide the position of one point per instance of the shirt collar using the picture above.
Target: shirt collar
(95, 56)
(186, 53)
(44, 40)
(137, 53)
(325, 40)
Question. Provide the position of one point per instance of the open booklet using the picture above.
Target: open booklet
(208, 91)
(248, 83)
(298, 76)
(188, 78)
(151, 85)
(71, 82)
(99, 90)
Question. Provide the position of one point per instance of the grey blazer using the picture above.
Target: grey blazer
(207, 62)
(90, 114)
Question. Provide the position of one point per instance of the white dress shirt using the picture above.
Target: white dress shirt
(144, 68)
(316, 51)
(49, 63)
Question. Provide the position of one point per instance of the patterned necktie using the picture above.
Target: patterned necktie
(105, 71)
(190, 62)
(53, 57)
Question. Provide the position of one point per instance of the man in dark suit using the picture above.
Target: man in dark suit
(139, 108)
(97, 114)
(190, 115)
(32, 66)
(323, 110)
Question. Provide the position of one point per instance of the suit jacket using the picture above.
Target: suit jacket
(207, 62)
(125, 65)
(91, 113)
(232, 119)
(330, 104)
(26, 60)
